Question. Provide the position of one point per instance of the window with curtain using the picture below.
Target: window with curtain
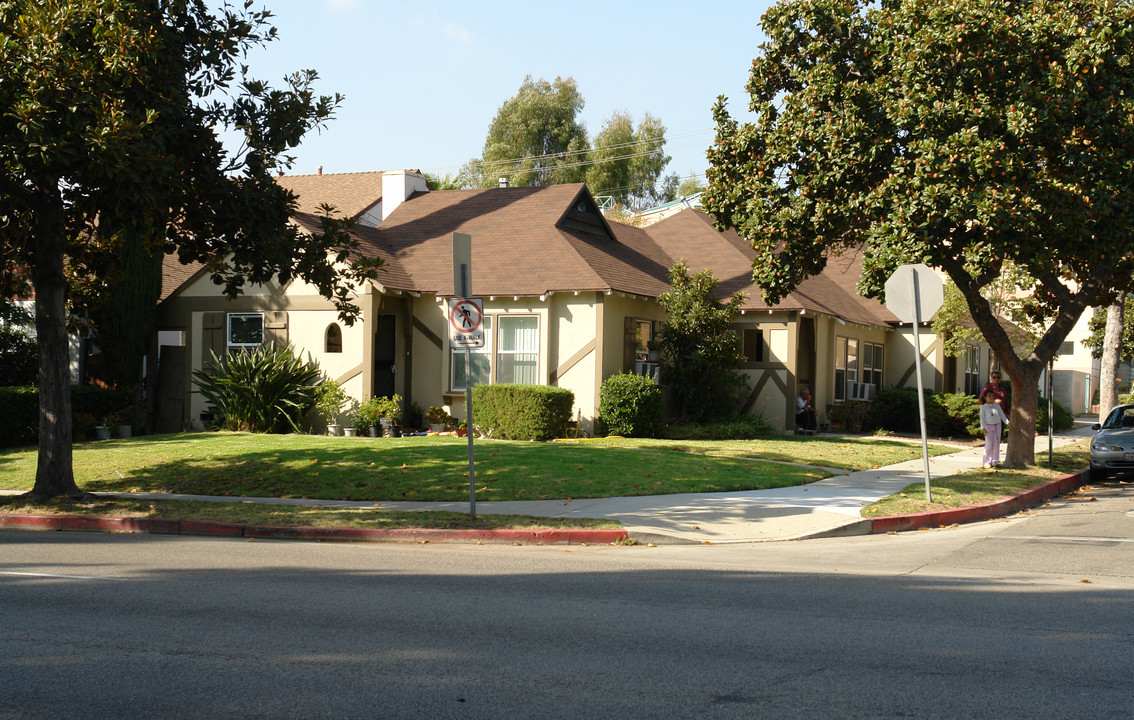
(517, 352)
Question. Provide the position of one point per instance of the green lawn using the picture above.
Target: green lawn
(435, 468)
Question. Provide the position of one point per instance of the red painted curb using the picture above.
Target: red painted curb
(205, 527)
(985, 511)
(209, 527)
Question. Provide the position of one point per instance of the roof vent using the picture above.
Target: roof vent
(320, 171)
(503, 182)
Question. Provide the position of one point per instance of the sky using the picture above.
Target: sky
(423, 80)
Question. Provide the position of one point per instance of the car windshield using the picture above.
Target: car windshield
(1121, 417)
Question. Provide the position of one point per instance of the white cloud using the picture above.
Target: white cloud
(455, 32)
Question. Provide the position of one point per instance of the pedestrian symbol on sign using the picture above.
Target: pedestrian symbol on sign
(466, 318)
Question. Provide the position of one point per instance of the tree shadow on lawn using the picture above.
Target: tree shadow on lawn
(390, 469)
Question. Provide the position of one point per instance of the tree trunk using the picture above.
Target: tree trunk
(1111, 350)
(1021, 450)
(54, 476)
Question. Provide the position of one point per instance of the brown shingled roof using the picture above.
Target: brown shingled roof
(524, 242)
(690, 234)
(352, 194)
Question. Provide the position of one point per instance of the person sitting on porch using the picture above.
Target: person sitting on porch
(804, 412)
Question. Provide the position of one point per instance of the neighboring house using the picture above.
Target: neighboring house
(570, 298)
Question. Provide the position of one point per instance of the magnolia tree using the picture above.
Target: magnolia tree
(108, 133)
(966, 134)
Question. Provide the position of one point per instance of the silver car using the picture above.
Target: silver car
(1112, 449)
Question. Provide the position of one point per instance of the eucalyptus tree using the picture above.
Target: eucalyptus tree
(966, 134)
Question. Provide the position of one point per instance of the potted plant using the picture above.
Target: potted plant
(438, 418)
(367, 417)
(329, 400)
(390, 413)
(102, 430)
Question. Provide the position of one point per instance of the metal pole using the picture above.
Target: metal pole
(1050, 414)
(920, 390)
(469, 434)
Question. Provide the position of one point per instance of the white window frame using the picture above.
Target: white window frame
(228, 330)
(502, 353)
(493, 351)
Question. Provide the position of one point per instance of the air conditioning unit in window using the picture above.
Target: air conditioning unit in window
(861, 391)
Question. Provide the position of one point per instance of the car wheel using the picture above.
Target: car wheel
(1097, 474)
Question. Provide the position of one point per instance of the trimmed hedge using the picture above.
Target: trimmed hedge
(946, 414)
(631, 405)
(522, 412)
(19, 423)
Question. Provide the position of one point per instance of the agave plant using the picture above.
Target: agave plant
(266, 390)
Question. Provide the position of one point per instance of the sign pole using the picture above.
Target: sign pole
(920, 387)
(462, 288)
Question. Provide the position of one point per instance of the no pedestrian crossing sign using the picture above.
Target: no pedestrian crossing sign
(466, 323)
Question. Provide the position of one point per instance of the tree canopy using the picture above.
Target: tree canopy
(965, 134)
(109, 114)
(626, 161)
(537, 138)
(700, 354)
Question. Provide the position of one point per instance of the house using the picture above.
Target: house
(570, 298)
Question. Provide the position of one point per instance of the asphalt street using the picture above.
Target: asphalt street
(1028, 616)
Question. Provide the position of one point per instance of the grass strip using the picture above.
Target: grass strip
(982, 485)
(295, 515)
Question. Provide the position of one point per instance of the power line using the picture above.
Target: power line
(487, 167)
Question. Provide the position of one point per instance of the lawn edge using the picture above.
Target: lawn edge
(161, 526)
(984, 511)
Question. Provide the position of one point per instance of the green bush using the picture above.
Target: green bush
(744, 427)
(631, 405)
(19, 358)
(266, 390)
(1122, 399)
(946, 414)
(961, 415)
(1064, 420)
(19, 423)
(521, 412)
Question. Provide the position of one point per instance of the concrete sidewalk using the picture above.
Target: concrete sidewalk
(825, 508)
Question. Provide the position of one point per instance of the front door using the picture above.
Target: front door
(385, 355)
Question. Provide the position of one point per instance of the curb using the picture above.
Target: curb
(157, 526)
(985, 511)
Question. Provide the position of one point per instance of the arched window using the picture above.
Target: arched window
(334, 339)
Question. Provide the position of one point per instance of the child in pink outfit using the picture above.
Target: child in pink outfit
(992, 420)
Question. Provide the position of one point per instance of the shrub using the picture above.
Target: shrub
(19, 358)
(265, 390)
(894, 409)
(1064, 420)
(522, 412)
(631, 405)
(961, 415)
(19, 423)
(743, 427)
(329, 398)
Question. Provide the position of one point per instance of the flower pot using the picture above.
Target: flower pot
(348, 431)
(124, 431)
(374, 431)
(102, 432)
(436, 427)
(836, 426)
(334, 429)
(395, 431)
